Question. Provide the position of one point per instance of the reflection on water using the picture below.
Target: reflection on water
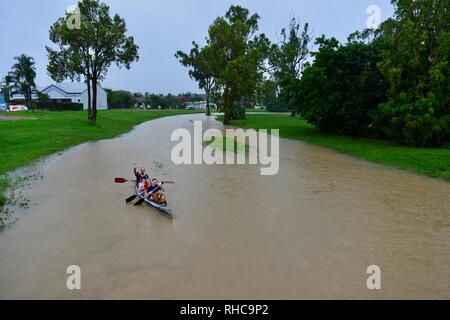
(309, 232)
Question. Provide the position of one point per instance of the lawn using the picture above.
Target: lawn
(431, 162)
(24, 141)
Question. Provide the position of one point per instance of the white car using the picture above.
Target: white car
(17, 107)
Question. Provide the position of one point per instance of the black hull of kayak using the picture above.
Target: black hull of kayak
(163, 209)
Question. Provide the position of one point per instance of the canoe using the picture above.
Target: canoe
(164, 209)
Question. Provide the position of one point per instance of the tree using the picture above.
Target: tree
(43, 97)
(416, 65)
(7, 86)
(343, 87)
(202, 69)
(238, 54)
(87, 52)
(288, 58)
(119, 99)
(22, 77)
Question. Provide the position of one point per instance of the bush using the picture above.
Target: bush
(237, 112)
(414, 123)
(55, 106)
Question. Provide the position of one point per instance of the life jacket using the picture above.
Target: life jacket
(153, 189)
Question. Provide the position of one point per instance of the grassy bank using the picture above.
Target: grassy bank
(431, 162)
(24, 141)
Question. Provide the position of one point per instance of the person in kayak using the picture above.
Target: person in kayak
(154, 189)
(141, 175)
(144, 185)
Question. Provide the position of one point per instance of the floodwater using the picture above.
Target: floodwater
(311, 231)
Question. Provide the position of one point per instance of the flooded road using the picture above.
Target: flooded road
(309, 232)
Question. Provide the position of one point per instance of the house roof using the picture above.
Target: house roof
(68, 87)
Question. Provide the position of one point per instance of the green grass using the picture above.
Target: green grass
(428, 161)
(226, 143)
(23, 141)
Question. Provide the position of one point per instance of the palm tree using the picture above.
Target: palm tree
(23, 74)
(6, 86)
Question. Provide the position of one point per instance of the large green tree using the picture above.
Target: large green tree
(289, 57)
(416, 65)
(239, 53)
(88, 51)
(343, 86)
(202, 68)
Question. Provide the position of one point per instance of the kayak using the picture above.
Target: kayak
(164, 209)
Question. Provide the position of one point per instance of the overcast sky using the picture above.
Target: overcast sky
(160, 28)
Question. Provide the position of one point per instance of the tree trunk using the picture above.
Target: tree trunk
(93, 117)
(294, 111)
(28, 99)
(89, 97)
(226, 106)
(208, 109)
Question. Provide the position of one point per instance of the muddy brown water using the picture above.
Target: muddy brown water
(309, 232)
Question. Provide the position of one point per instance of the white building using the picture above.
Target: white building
(69, 92)
(201, 105)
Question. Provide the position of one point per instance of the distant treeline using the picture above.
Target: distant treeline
(126, 99)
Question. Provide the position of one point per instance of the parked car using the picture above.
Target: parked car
(17, 107)
(3, 107)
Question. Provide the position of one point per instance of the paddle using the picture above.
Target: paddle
(129, 199)
(139, 202)
(123, 180)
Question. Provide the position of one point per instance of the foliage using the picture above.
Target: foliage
(288, 59)
(416, 65)
(339, 91)
(168, 101)
(239, 54)
(119, 99)
(58, 106)
(6, 86)
(87, 52)
(201, 62)
(271, 98)
(43, 97)
(21, 78)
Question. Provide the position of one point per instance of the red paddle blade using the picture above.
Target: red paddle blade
(120, 180)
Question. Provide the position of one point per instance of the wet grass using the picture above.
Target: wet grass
(432, 162)
(4, 183)
(24, 141)
(228, 142)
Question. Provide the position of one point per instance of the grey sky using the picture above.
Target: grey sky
(161, 28)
